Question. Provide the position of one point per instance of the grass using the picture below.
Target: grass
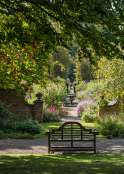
(56, 125)
(62, 164)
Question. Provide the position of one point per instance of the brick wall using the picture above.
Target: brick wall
(110, 109)
(17, 105)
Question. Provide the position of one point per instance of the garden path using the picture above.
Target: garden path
(40, 146)
(72, 116)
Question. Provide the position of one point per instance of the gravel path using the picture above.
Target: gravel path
(72, 116)
(40, 146)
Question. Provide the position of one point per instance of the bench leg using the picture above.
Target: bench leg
(48, 144)
(94, 144)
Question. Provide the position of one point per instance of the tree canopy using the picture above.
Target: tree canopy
(111, 77)
(31, 29)
(60, 63)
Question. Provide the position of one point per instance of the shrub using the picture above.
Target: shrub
(20, 136)
(63, 112)
(80, 95)
(81, 86)
(122, 135)
(15, 135)
(80, 107)
(19, 118)
(111, 126)
(88, 118)
(88, 110)
(50, 115)
(90, 113)
(2, 135)
(60, 110)
(1, 123)
(28, 126)
(93, 90)
(53, 115)
(54, 93)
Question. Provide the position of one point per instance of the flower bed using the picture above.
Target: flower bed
(88, 111)
(80, 107)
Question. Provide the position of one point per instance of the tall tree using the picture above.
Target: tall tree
(60, 62)
(84, 70)
(71, 74)
(111, 74)
(28, 35)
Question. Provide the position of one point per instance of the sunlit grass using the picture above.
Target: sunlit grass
(62, 164)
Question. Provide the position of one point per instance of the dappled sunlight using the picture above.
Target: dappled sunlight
(62, 164)
(110, 146)
(116, 149)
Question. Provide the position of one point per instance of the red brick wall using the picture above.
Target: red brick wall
(17, 105)
(114, 109)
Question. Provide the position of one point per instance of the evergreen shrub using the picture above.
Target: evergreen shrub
(111, 126)
(27, 126)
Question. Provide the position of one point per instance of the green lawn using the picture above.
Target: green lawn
(62, 164)
(56, 125)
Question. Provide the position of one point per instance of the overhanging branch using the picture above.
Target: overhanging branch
(57, 19)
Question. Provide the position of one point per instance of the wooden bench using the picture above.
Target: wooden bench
(72, 136)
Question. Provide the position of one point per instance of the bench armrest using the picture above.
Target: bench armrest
(47, 132)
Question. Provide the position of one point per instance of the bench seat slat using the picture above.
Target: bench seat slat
(70, 140)
(69, 135)
(72, 149)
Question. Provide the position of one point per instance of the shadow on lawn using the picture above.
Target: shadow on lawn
(62, 164)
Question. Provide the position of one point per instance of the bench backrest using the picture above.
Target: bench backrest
(72, 131)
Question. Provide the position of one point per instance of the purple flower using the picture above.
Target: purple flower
(27, 96)
(82, 106)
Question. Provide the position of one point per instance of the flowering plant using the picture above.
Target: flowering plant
(53, 109)
(63, 113)
(88, 110)
(53, 115)
(80, 107)
(53, 94)
(60, 111)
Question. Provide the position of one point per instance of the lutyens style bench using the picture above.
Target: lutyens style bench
(72, 136)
